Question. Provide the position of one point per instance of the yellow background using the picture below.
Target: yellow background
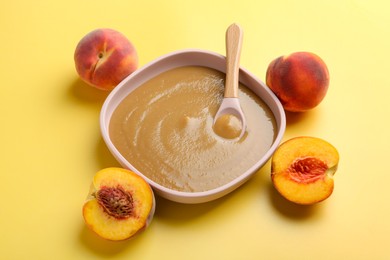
(51, 145)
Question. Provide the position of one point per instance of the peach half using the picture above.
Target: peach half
(119, 205)
(302, 169)
(300, 80)
(104, 57)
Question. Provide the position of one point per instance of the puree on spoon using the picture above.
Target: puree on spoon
(228, 126)
(164, 128)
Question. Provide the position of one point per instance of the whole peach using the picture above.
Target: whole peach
(104, 57)
(300, 80)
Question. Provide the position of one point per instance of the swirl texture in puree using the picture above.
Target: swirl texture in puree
(164, 128)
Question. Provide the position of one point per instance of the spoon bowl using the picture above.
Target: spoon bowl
(230, 104)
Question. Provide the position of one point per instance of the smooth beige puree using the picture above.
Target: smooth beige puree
(164, 128)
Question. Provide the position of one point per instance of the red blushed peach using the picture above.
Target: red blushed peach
(302, 169)
(119, 205)
(104, 57)
(300, 80)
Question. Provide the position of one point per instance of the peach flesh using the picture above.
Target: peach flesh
(120, 204)
(300, 80)
(302, 169)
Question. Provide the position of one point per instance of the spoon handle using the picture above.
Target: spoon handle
(233, 51)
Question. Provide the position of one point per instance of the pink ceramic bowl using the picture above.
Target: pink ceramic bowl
(182, 58)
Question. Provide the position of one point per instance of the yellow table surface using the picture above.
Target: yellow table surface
(51, 144)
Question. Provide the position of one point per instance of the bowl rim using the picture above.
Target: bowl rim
(120, 92)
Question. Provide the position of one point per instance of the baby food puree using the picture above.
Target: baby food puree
(164, 128)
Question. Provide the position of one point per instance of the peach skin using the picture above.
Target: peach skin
(300, 80)
(104, 57)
